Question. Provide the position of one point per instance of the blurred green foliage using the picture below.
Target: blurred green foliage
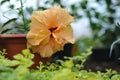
(18, 24)
(102, 15)
(71, 68)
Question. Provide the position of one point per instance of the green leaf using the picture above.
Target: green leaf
(4, 31)
(9, 21)
(19, 57)
(116, 77)
(4, 1)
(27, 54)
(30, 10)
(108, 2)
(4, 68)
(11, 6)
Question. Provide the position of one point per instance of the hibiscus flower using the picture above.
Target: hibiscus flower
(50, 30)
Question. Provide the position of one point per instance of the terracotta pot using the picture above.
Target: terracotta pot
(15, 43)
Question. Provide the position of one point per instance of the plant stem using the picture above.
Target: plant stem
(22, 13)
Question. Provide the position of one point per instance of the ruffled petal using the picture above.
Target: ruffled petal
(36, 36)
(47, 50)
(38, 20)
(57, 16)
(63, 16)
(64, 34)
(57, 47)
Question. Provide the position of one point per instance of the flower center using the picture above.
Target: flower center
(52, 29)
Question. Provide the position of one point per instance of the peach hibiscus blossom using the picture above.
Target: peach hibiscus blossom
(50, 30)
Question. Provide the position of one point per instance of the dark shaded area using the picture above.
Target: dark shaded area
(100, 61)
(102, 54)
(102, 66)
(66, 52)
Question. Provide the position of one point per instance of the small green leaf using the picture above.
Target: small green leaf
(19, 57)
(27, 54)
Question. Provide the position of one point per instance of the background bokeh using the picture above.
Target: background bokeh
(96, 21)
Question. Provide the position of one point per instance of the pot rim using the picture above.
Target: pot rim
(12, 35)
